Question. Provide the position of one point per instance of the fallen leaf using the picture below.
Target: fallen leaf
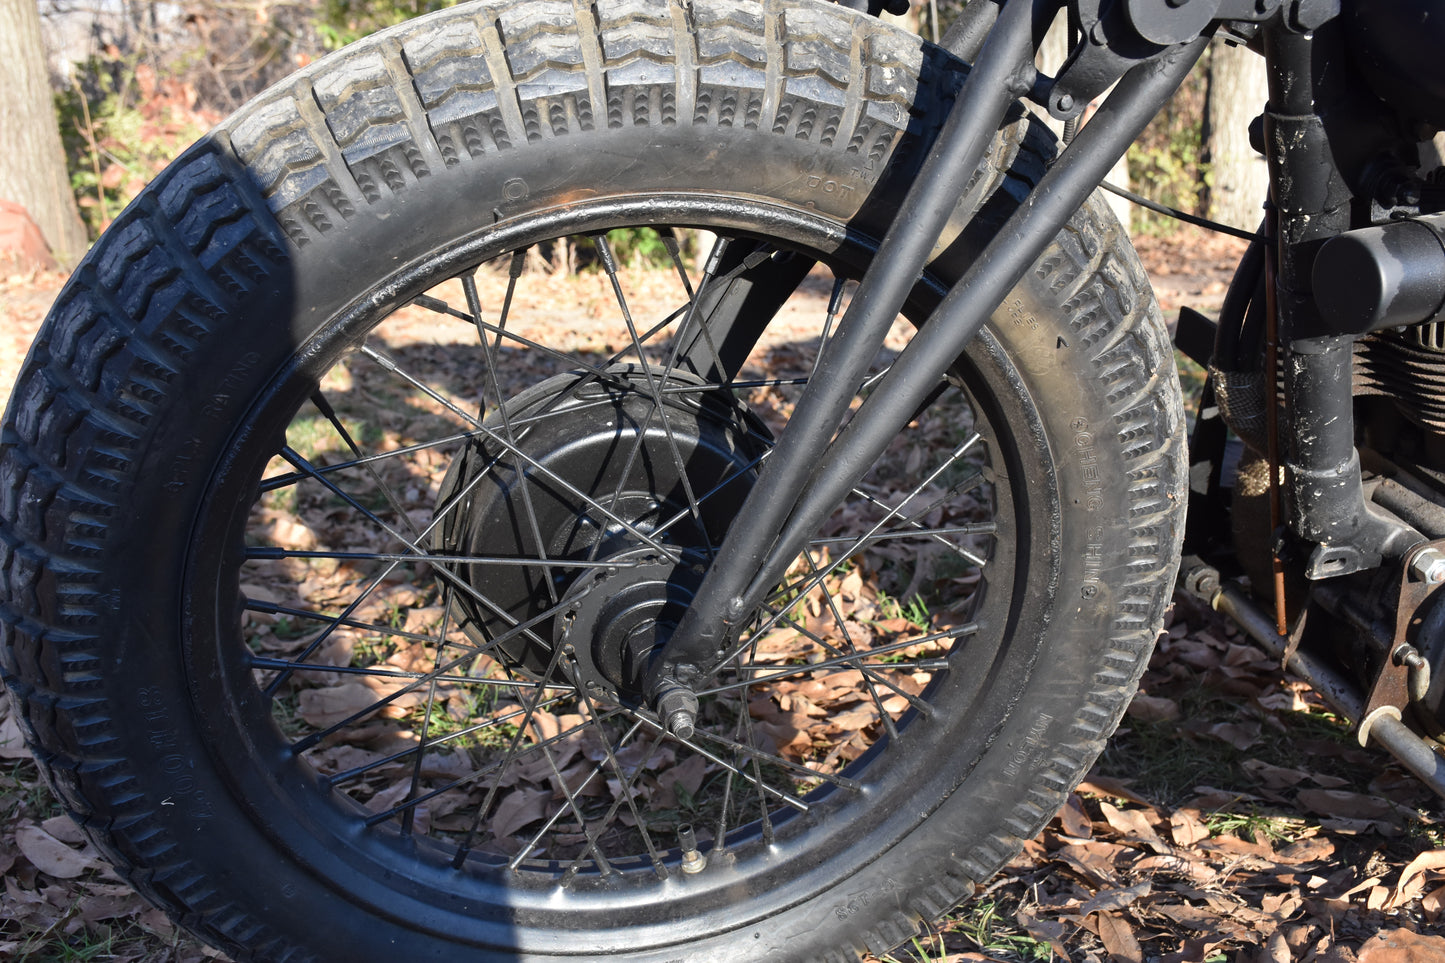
(1402, 946)
(1344, 805)
(1186, 828)
(1274, 950)
(1115, 899)
(1240, 735)
(1134, 825)
(1148, 708)
(520, 807)
(12, 741)
(1096, 785)
(1308, 850)
(1433, 904)
(325, 707)
(1274, 777)
(1360, 827)
(1119, 940)
(1194, 869)
(1410, 883)
(50, 855)
(1075, 821)
(64, 829)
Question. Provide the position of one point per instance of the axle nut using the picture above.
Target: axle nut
(677, 706)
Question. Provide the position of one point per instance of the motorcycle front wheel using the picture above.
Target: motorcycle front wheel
(335, 543)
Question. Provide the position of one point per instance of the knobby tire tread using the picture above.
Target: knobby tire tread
(448, 90)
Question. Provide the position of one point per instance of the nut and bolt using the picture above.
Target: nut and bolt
(677, 706)
(692, 860)
(1428, 566)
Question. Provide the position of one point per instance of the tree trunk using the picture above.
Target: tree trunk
(1238, 180)
(32, 161)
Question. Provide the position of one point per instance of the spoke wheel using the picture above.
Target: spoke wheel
(467, 547)
(334, 543)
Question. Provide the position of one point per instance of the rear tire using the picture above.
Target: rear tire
(178, 499)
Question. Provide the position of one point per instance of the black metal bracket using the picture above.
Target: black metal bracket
(1117, 36)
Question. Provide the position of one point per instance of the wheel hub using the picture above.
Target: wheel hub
(585, 482)
(616, 618)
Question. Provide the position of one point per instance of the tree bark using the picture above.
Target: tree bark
(1238, 180)
(32, 160)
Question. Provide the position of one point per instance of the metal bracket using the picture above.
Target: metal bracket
(1422, 573)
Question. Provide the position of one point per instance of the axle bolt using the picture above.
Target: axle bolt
(678, 708)
(1428, 566)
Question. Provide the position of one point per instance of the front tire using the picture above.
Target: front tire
(265, 511)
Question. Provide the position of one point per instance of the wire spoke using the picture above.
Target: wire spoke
(659, 410)
(842, 625)
(277, 482)
(844, 661)
(537, 466)
(474, 304)
(355, 772)
(861, 541)
(506, 762)
(776, 760)
(371, 672)
(329, 413)
(419, 554)
(759, 783)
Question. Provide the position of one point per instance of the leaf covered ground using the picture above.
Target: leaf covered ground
(1232, 817)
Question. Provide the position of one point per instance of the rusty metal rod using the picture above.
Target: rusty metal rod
(1386, 731)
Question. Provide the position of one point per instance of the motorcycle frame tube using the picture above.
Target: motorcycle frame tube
(1004, 72)
(1326, 504)
(833, 469)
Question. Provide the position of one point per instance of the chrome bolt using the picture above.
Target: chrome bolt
(678, 708)
(692, 860)
(1428, 565)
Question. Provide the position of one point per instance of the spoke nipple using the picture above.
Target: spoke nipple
(692, 860)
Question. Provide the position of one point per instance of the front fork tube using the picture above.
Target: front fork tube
(806, 476)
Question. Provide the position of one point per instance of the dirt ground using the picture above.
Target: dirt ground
(1232, 818)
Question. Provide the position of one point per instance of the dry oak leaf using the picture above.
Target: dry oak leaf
(1341, 804)
(1147, 708)
(1434, 904)
(1109, 900)
(51, 856)
(324, 708)
(1308, 850)
(1402, 946)
(12, 741)
(1240, 735)
(64, 829)
(1118, 938)
(1133, 825)
(1412, 879)
(1185, 827)
(1110, 788)
(1075, 821)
